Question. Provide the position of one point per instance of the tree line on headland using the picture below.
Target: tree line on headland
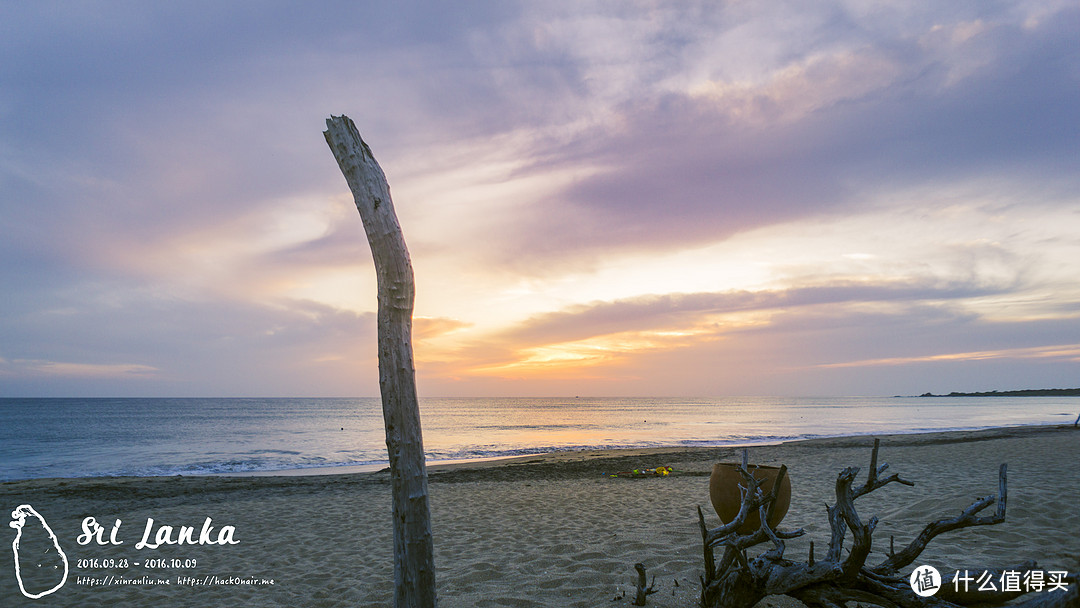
(1036, 392)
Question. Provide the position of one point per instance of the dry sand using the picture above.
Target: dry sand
(549, 531)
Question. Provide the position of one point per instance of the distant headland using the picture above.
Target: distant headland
(1035, 392)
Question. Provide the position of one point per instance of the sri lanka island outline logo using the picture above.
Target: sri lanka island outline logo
(38, 556)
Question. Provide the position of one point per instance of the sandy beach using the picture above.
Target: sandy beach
(545, 531)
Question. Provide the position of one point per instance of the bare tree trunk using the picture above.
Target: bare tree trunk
(414, 564)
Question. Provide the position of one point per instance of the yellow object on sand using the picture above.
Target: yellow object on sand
(657, 472)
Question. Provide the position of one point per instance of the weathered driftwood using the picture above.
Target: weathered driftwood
(642, 590)
(414, 565)
(738, 581)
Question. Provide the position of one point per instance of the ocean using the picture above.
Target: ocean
(154, 437)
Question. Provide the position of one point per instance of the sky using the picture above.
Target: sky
(637, 198)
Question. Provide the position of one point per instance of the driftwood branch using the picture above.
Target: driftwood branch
(966, 519)
(1067, 599)
(414, 567)
(642, 590)
(737, 580)
(873, 477)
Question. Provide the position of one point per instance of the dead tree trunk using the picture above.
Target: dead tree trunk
(414, 564)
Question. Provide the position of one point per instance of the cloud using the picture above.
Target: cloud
(672, 310)
(172, 215)
(778, 361)
(425, 328)
(978, 302)
(820, 134)
(162, 344)
(74, 370)
(1067, 352)
(875, 348)
(611, 335)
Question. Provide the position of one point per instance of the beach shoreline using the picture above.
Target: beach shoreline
(541, 530)
(561, 455)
